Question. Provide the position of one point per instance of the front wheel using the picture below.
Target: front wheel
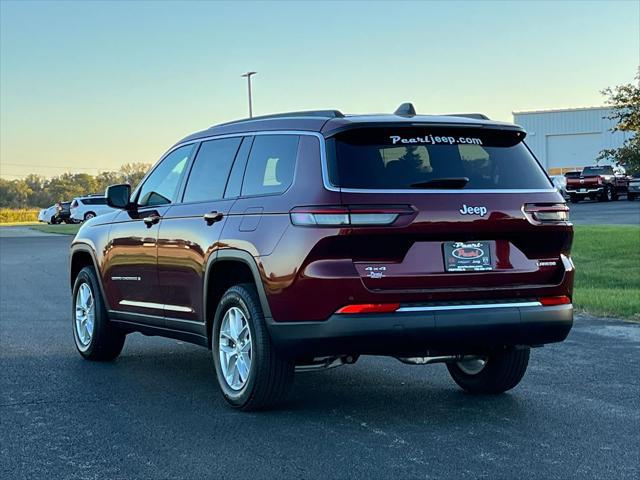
(95, 337)
(251, 373)
(495, 373)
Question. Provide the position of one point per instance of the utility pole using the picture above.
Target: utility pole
(248, 75)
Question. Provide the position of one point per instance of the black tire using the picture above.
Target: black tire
(53, 221)
(107, 340)
(89, 216)
(502, 371)
(574, 198)
(631, 197)
(607, 194)
(270, 374)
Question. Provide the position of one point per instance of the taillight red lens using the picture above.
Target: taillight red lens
(352, 215)
(551, 301)
(370, 308)
(546, 212)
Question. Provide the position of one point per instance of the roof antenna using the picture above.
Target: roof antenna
(406, 109)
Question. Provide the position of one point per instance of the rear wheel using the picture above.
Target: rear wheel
(607, 194)
(89, 216)
(495, 373)
(251, 373)
(95, 337)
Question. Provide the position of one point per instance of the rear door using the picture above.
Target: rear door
(190, 230)
(468, 188)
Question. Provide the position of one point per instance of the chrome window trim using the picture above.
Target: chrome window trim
(437, 308)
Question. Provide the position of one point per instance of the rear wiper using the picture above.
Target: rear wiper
(452, 182)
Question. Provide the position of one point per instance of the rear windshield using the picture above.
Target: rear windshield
(428, 158)
(606, 170)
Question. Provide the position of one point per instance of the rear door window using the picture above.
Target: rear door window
(433, 158)
(271, 164)
(210, 170)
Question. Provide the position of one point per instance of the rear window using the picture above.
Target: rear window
(605, 170)
(428, 158)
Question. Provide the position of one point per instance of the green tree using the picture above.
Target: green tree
(625, 103)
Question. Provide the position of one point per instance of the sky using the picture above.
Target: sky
(88, 86)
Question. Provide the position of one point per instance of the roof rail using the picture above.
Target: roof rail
(476, 116)
(307, 113)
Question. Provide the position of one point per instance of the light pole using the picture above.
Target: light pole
(248, 75)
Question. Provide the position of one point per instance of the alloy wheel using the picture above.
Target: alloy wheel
(234, 348)
(85, 316)
(472, 365)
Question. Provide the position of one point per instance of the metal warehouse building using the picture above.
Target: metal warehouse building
(569, 139)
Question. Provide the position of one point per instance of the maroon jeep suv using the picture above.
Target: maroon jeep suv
(300, 241)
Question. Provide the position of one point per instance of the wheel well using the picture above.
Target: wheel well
(223, 275)
(79, 260)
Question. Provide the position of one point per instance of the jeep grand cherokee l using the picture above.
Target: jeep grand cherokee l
(302, 241)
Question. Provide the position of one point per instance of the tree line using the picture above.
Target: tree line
(39, 191)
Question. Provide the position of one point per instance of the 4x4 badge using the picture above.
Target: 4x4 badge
(468, 210)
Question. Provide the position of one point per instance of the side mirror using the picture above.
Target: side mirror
(118, 195)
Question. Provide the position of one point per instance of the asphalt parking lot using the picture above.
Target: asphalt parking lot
(590, 212)
(156, 413)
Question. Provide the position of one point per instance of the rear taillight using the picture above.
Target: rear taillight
(552, 301)
(74, 204)
(352, 215)
(546, 212)
(369, 308)
(599, 180)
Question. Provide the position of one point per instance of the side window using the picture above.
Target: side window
(210, 170)
(271, 164)
(161, 186)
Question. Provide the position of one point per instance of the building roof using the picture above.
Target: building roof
(558, 110)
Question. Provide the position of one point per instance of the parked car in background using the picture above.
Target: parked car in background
(48, 215)
(301, 241)
(603, 183)
(63, 212)
(560, 182)
(85, 208)
(634, 187)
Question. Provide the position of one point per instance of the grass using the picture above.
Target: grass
(18, 215)
(607, 260)
(63, 229)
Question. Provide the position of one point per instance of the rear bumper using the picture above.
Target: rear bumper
(465, 330)
(586, 191)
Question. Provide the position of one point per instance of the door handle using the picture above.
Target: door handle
(212, 217)
(151, 220)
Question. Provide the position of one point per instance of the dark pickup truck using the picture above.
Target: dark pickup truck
(602, 183)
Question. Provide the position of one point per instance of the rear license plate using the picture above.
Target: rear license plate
(582, 190)
(467, 257)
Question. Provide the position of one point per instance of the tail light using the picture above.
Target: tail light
(599, 180)
(552, 301)
(74, 204)
(352, 215)
(369, 308)
(546, 212)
